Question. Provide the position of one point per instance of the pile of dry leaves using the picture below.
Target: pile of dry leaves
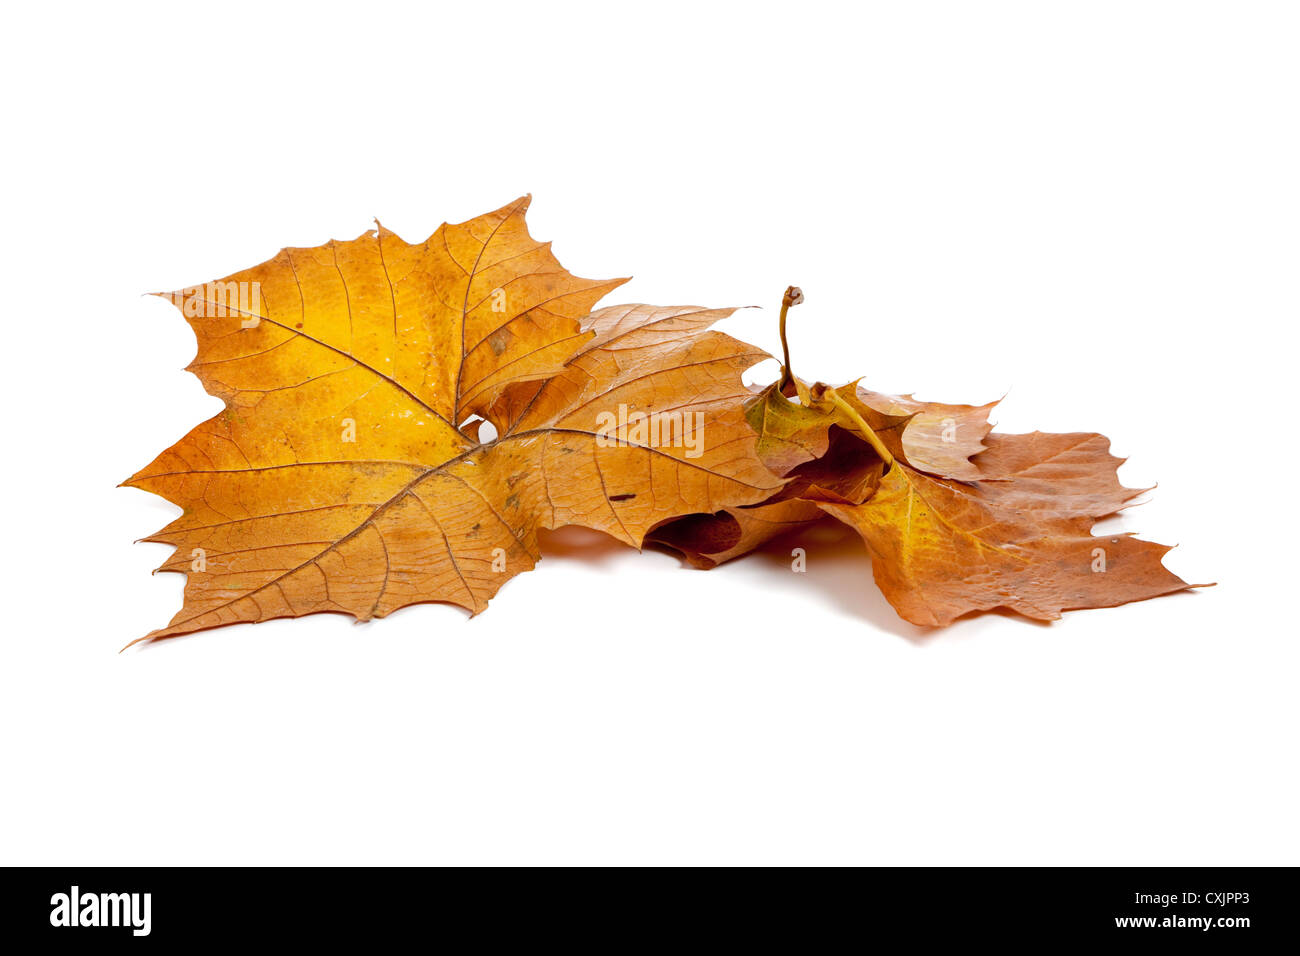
(347, 472)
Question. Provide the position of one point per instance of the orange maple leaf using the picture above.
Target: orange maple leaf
(346, 473)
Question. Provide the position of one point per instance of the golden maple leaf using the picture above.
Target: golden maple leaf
(345, 473)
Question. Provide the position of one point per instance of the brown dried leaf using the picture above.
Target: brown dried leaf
(1020, 540)
(938, 439)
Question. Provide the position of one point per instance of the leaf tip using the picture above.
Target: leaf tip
(520, 205)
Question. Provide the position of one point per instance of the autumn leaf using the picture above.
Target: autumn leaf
(1019, 538)
(938, 439)
(346, 473)
(789, 433)
(956, 519)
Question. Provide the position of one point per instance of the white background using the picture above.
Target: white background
(1092, 207)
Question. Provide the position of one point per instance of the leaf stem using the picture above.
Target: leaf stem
(793, 296)
(872, 438)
